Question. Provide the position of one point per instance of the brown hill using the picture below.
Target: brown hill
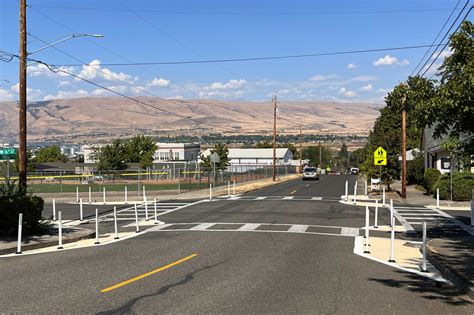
(92, 118)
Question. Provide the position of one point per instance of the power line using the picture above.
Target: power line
(181, 62)
(228, 13)
(439, 33)
(445, 45)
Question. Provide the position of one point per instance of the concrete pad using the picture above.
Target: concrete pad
(447, 208)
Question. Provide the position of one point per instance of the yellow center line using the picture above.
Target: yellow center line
(121, 284)
(291, 193)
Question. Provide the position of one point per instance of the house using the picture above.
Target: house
(435, 155)
(183, 152)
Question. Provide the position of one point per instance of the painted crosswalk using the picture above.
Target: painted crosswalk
(144, 211)
(278, 198)
(256, 227)
(412, 219)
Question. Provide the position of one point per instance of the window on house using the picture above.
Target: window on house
(445, 163)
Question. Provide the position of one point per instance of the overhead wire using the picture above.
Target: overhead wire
(446, 44)
(434, 41)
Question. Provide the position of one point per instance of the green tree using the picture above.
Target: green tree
(343, 153)
(111, 156)
(223, 152)
(311, 153)
(451, 108)
(140, 149)
(49, 154)
(357, 157)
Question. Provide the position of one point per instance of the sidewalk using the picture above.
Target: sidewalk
(455, 259)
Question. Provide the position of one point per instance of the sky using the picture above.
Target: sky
(186, 30)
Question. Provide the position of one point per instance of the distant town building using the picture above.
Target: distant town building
(184, 152)
(256, 157)
(88, 152)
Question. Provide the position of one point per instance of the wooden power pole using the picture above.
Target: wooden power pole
(404, 148)
(274, 100)
(301, 150)
(22, 100)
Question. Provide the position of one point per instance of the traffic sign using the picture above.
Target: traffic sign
(8, 153)
(215, 158)
(380, 161)
(380, 153)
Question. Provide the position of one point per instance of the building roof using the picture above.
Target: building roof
(253, 153)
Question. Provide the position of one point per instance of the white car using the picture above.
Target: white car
(310, 173)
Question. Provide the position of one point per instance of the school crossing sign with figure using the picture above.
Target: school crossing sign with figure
(380, 156)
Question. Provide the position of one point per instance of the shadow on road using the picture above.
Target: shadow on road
(127, 307)
(428, 289)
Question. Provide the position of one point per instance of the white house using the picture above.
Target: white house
(184, 152)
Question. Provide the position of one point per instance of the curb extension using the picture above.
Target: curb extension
(27, 247)
(461, 282)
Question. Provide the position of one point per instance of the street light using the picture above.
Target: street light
(23, 56)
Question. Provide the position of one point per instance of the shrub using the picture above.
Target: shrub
(13, 202)
(463, 183)
(432, 175)
(415, 170)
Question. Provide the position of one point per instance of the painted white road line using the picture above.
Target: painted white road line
(317, 198)
(347, 231)
(410, 215)
(260, 198)
(249, 227)
(288, 198)
(158, 227)
(298, 228)
(234, 198)
(202, 226)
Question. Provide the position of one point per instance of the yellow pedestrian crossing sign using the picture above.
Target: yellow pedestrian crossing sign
(380, 156)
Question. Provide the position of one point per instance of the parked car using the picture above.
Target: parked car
(354, 171)
(310, 173)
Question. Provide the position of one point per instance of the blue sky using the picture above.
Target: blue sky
(168, 34)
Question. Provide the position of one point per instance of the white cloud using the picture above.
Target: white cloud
(444, 54)
(65, 95)
(382, 91)
(94, 71)
(390, 60)
(7, 95)
(320, 77)
(364, 78)
(159, 82)
(31, 94)
(367, 88)
(352, 66)
(38, 70)
(229, 85)
(347, 93)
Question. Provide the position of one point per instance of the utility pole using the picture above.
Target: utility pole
(320, 164)
(404, 148)
(301, 151)
(22, 100)
(274, 100)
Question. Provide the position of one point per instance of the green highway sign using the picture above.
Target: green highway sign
(8, 153)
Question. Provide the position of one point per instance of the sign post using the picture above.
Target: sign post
(215, 159)
(380, 158)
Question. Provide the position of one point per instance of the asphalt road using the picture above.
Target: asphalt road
(234, 271)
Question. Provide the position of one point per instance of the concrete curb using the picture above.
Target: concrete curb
(79, 234)
(451, 274)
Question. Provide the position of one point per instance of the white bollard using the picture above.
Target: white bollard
(392, 240)
(233, 188)
(391, 210)
(60, 230)
(136, 219)
(20, 227)
(146, 209)
(90, 195)
(347, 190)
(210, 191)
(126, 195)
(423, 266)
(115, 224)
(365, 188)
(154, 208)
(366, 251)
(355, 192)
(81, 216)
(144, 193)
(376, 225)
(383, 196)
(77, 194)
(103, 195)
(228, 188)
(54, 209)
(437, 198)
(97, 226)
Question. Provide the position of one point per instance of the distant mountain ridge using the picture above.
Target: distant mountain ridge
(108, 117)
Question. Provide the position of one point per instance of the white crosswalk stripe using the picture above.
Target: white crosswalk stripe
(128, 214)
